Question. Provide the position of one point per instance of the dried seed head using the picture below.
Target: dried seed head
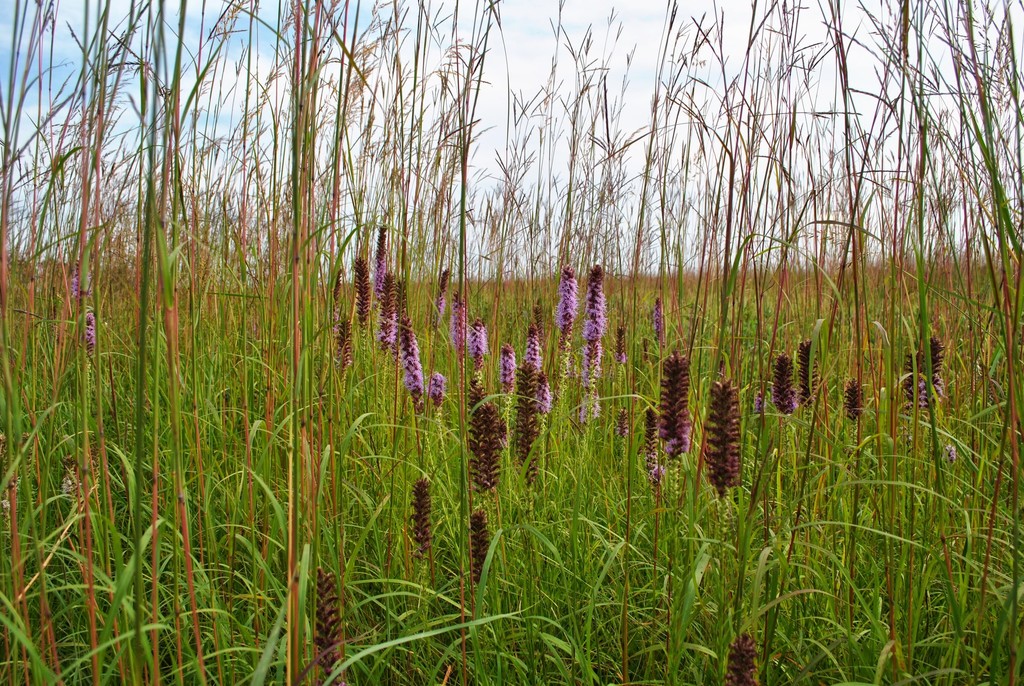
(538, 318)
(723, 451)
(622, 423)
(343, 344)
(485, 440)
(479, 542)
(336, 294)
(388, 324)
(362, 283)
(783, 393)
(742, 669)
(328, 636)
(808, 374)
(655, 470)
(853, 399)
(675, 424)
(620, 344)
(421, 509)
(413, 378)
(526, 427)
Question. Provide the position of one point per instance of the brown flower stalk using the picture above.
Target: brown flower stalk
(723, 456)
(479, 542)
(486, 439)
(362, 283)
(526, 427)
(421, 508)
(328, 636)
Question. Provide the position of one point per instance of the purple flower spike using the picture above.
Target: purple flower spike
(592, 353)
(533, 357)
(543, 394)
(759, 403)
(655, 473)
(90, 332)
(658, 319)
(507, 371)
(436, 387)
(388, 322)
(595, 319)
(381, 266)
(565, 313)
(458, 323)
(411, 364)
(442, 294)
(478, 342)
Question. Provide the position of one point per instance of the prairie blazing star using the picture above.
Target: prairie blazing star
(538, 317)
(950, 453)
(336, 295)
(565, 312)
(622, 423)
(595, 320)
(362, 283)
(486, 439)
(655, 471)
(387, 325)
(421, 507)
(77, 292)
(594, 323)
(436, 387)
(543, 394)
(723, 431)
(675, 423)
(807, 374)
(457, 327)
(343, 344)
(915, 383)
(658, 321)
(328, 635)
(783, 393)
(478, 342)
(759, 403)
(411, 364)
(507, 370)
(937, 352)
(742, 670)
(380, 269)
(620, 344)
(853, 399)
(526, 427)
(533, 357)
(90, 332)
(442, 294)
(479, 543)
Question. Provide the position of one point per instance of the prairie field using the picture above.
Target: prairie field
(334, 354)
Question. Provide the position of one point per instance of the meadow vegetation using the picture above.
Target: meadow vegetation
(297, 387)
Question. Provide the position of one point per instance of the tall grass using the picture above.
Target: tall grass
(185, 451)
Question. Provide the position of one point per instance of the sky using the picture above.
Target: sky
(627, 32)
